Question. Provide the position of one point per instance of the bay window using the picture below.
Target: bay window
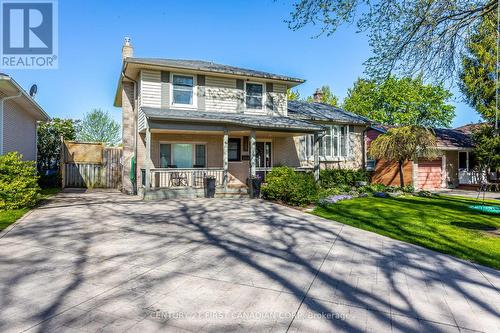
(332, 145)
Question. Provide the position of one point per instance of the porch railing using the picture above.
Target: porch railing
(471, 177)
(185, 177)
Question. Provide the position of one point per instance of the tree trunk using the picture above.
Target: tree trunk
(401, 176)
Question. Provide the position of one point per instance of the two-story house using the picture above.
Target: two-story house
(185, 119)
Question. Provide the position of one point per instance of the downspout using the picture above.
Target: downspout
(136, 113)
(2, 103)
(363, 147)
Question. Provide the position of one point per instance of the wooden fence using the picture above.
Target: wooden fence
(91, 165)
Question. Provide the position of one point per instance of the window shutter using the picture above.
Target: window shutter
(201, 80)
(269, 87)
(239, 84)
(165, 76)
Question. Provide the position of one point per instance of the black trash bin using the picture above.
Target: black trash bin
(209, 187)
(256, 183)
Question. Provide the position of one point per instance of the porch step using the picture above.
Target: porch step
(232, 193)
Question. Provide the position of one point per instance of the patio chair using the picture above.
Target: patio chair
(178, 179)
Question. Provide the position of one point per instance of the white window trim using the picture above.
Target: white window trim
(194, 105)
(264, 97)
(193, 143)
(332, 158)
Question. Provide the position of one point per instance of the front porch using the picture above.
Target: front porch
(177, 162)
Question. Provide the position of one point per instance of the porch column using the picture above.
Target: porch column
(444, 173)
(316, 156)
(225, 157)
(148, 159)
(253, 153)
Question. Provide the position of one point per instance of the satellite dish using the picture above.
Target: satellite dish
(33, 90)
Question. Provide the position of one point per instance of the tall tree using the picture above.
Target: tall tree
(406, 37)
(406, 143)
(49, 142)
(478, 73)
(98, 126)
(401, 101)
(292, 95)
(327, 96)
(487, 147)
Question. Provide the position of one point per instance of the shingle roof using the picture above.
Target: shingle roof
(449, 138)
(244, 120)
(323, 112)
(208, 66)
(445, 137)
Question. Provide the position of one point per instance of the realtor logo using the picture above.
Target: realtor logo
(29, 34)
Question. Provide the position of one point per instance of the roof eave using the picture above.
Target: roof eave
(37, 106)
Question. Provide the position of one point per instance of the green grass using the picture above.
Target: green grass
(7, 217)
(441, 223)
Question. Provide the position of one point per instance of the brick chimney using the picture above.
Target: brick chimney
(127, 49)
(318, 96)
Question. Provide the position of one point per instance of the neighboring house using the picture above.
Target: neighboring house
(19, 115)
(184, 119)
(455, 167)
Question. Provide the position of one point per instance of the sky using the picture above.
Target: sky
(249, 34)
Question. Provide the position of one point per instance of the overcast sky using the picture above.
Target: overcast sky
(250, 34)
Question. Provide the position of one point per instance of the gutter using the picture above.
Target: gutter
(22, 92)
(2, 103)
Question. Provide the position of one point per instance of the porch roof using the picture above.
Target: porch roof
(244, 120)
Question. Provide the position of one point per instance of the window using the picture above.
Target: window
(254, 96)
(182, 89)
(182, 155)
(333, 144)
(234, 150)
(200, 156)
(462, 160)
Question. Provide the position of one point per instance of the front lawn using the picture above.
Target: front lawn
(441, 223)
(7, 217)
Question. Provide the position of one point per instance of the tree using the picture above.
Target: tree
(401, 101)
(327, 97)
(406, 37)
(487, 147)
(292, 95)
(401, 144)
(97, 126)
(478, 68)
(49, 142)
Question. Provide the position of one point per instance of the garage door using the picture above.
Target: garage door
(429, 174)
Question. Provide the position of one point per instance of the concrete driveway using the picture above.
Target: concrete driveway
(108, 262)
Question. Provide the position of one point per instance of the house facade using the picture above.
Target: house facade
(454, 168)
(187, 119)
(19, 116)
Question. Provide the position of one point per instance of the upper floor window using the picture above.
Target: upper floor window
(254, 92)
(182, 89)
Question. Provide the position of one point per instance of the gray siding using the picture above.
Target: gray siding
(19, 131)
(214, 93)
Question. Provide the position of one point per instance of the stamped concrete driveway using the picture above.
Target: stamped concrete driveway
(108, 262)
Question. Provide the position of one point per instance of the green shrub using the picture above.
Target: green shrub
(286, 185)
(342, 177)
(18, 182)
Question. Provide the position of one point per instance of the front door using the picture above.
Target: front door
(263, 155)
